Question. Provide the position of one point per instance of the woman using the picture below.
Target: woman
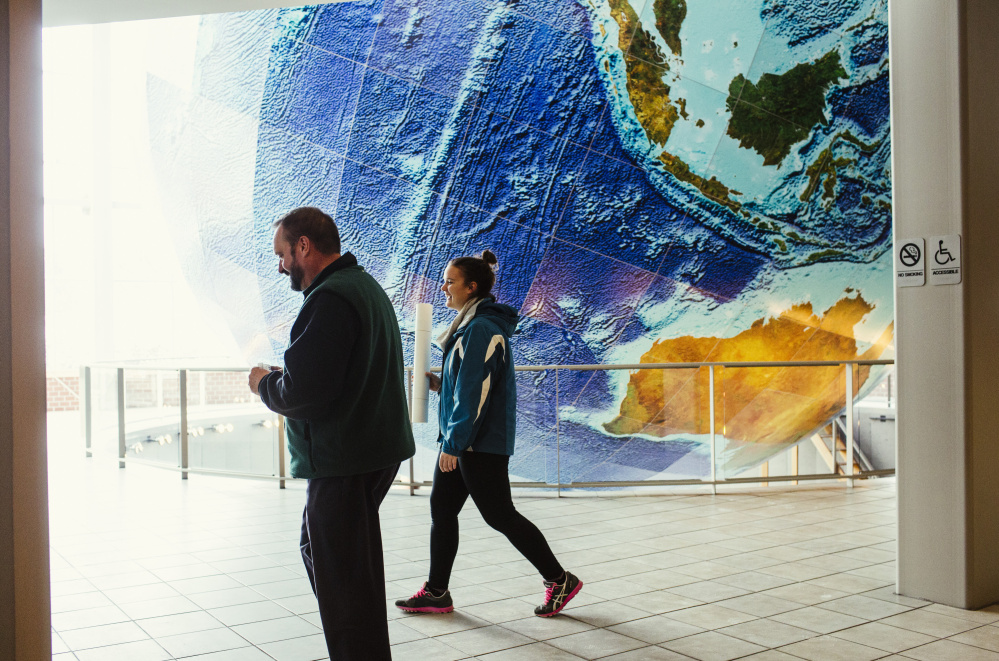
(478, 399)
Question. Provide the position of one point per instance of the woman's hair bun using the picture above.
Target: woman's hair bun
(478, 270)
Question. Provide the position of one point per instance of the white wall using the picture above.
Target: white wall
(946, 340)
(76, 12)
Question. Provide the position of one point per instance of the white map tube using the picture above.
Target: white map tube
(421, 363)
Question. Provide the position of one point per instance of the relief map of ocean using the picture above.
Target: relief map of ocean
(664, 181)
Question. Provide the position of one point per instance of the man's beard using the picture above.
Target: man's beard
(296, 274)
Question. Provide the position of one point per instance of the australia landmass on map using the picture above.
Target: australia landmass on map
(757, 407)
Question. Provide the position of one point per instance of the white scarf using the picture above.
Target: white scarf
(465, 315)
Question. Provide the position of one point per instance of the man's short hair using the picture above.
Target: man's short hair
(313, 224)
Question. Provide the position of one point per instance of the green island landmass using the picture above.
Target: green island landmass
(799, 95)
(669, 18)
(824, 254)
(777, 111)
(826, 166)
(712, 188)
(650, 96)
(645, 66)
(683, 108)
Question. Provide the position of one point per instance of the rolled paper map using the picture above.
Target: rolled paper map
(421, 363)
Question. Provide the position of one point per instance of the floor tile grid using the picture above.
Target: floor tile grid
(630, 578)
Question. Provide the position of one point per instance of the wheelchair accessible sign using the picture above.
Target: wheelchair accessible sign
(942, 258)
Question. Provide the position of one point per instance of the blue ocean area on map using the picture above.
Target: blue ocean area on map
(433, 129)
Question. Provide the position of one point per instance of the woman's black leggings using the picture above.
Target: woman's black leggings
(484, 477)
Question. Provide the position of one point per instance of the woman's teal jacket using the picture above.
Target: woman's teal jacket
(478, 396)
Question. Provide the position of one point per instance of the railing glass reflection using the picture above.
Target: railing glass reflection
(682, 424)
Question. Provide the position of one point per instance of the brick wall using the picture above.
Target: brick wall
(227, 388)
(147, 389)
(219, 388)
(63, 393)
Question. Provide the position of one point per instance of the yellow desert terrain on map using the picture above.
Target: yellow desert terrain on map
(759, 410)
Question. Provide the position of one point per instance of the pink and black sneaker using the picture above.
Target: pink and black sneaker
(557, 595)
(426, 601)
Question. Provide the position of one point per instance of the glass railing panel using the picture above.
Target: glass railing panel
(878, 386)
(764, 411)
(104, 411)
(639, 425)
(425, 434)
(152, 416)
(536, 453)
(229, 428)
(594, 425)
(875, 416)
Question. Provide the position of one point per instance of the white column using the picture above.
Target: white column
(944, 139)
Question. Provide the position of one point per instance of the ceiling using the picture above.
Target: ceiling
(77, 12)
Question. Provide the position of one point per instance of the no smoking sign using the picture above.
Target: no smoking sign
(910, 260)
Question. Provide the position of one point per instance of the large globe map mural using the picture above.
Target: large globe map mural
(663, 181)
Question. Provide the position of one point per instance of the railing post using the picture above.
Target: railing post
(558, 444)
(282, 471)
(849, 425)
(87, 409)
(834, 448)
(711, 414)
(183, 425)
(121, 417)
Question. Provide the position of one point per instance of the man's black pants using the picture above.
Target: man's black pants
(342, 550)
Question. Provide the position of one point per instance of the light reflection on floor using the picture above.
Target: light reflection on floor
(146, 566)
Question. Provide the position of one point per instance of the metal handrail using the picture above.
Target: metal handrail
(849, 367)
(165, 368)
(685, 366)
(542, 368)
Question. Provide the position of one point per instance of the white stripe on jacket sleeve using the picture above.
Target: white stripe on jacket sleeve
(497, 340)
(458, 349)
(485, 393)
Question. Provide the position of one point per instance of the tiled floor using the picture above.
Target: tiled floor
(147, 567)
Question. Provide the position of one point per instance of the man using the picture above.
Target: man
(343, 393)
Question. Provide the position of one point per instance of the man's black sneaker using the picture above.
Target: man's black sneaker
(425, 601)
(557, 595)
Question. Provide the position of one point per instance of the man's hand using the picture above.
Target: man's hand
(256, 374)
(448, 462)
(435, 381)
